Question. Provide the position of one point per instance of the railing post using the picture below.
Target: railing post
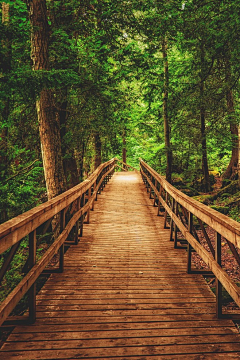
(77, 223)
(175, 227)
(82, 203)
(171, 221)
(88, 212)
(159, 202)
(189, 247)
(94, 188)
(150, 192)
(147, 184)
(218, 283)
(155, 195)
(32, 290)
(165, 214)
(61, 250)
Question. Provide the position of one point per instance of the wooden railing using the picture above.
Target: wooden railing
(68, 212)
(124, 166)
(190, 218)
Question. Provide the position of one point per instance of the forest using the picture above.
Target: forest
(85, 81)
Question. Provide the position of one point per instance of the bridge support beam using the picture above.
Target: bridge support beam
(218, 284)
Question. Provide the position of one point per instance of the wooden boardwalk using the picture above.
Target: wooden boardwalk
(125, 293)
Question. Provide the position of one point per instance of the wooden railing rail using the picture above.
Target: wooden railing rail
(125, 166)
(68, 211)
(190, 217)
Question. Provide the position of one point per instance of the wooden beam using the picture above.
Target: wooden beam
(221, 275)
(28, 222)
(15, 229)
(225, 226)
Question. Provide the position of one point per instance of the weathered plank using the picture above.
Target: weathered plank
(125, 293)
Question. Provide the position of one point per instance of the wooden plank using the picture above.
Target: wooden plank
(123, 351)
(124, 293)
(122, 333)
(212, 264)
(15, 229)
(203, 326)
(227, 227)
(28, 222)
(128, 340)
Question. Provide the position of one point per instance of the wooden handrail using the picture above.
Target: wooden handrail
(222, 224)
(227, 227)
(126, 165)
(14, 230)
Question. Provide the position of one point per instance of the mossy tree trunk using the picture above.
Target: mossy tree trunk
(6, 64)
(233, 164)
(98, 150)
(206, 181)
(49, 125)
(165, 112)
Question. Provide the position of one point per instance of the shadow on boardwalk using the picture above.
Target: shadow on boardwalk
(125, 293)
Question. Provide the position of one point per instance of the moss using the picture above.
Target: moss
(226, 195)
(178, 181)
(205, 199)
(222, 209)
(188, 190)
(225, 182)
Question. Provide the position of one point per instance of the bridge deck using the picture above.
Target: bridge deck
(125, 293)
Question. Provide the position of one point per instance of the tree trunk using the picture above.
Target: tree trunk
(5, 13)
(204, 152)
(49, 127)
(205, 171)
(98, 150)
(233, 164)
(238, 168)
(165, 113)
(71, 172)
(6, 66)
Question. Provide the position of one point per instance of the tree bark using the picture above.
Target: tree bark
(238, 165)
(205, 171)
(5, 13)
(233, 164)
(49, 128)
(71, 172)
(98, 150)
(6, 65)
(165, 113)
(204, 152)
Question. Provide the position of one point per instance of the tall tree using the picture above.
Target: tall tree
(166, 113)
(6, 67)
(49, 126)
(98, 149)
(203, 121)
(233, 164)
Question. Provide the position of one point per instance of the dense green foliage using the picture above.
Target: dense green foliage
(109, 80)
(107, 74)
